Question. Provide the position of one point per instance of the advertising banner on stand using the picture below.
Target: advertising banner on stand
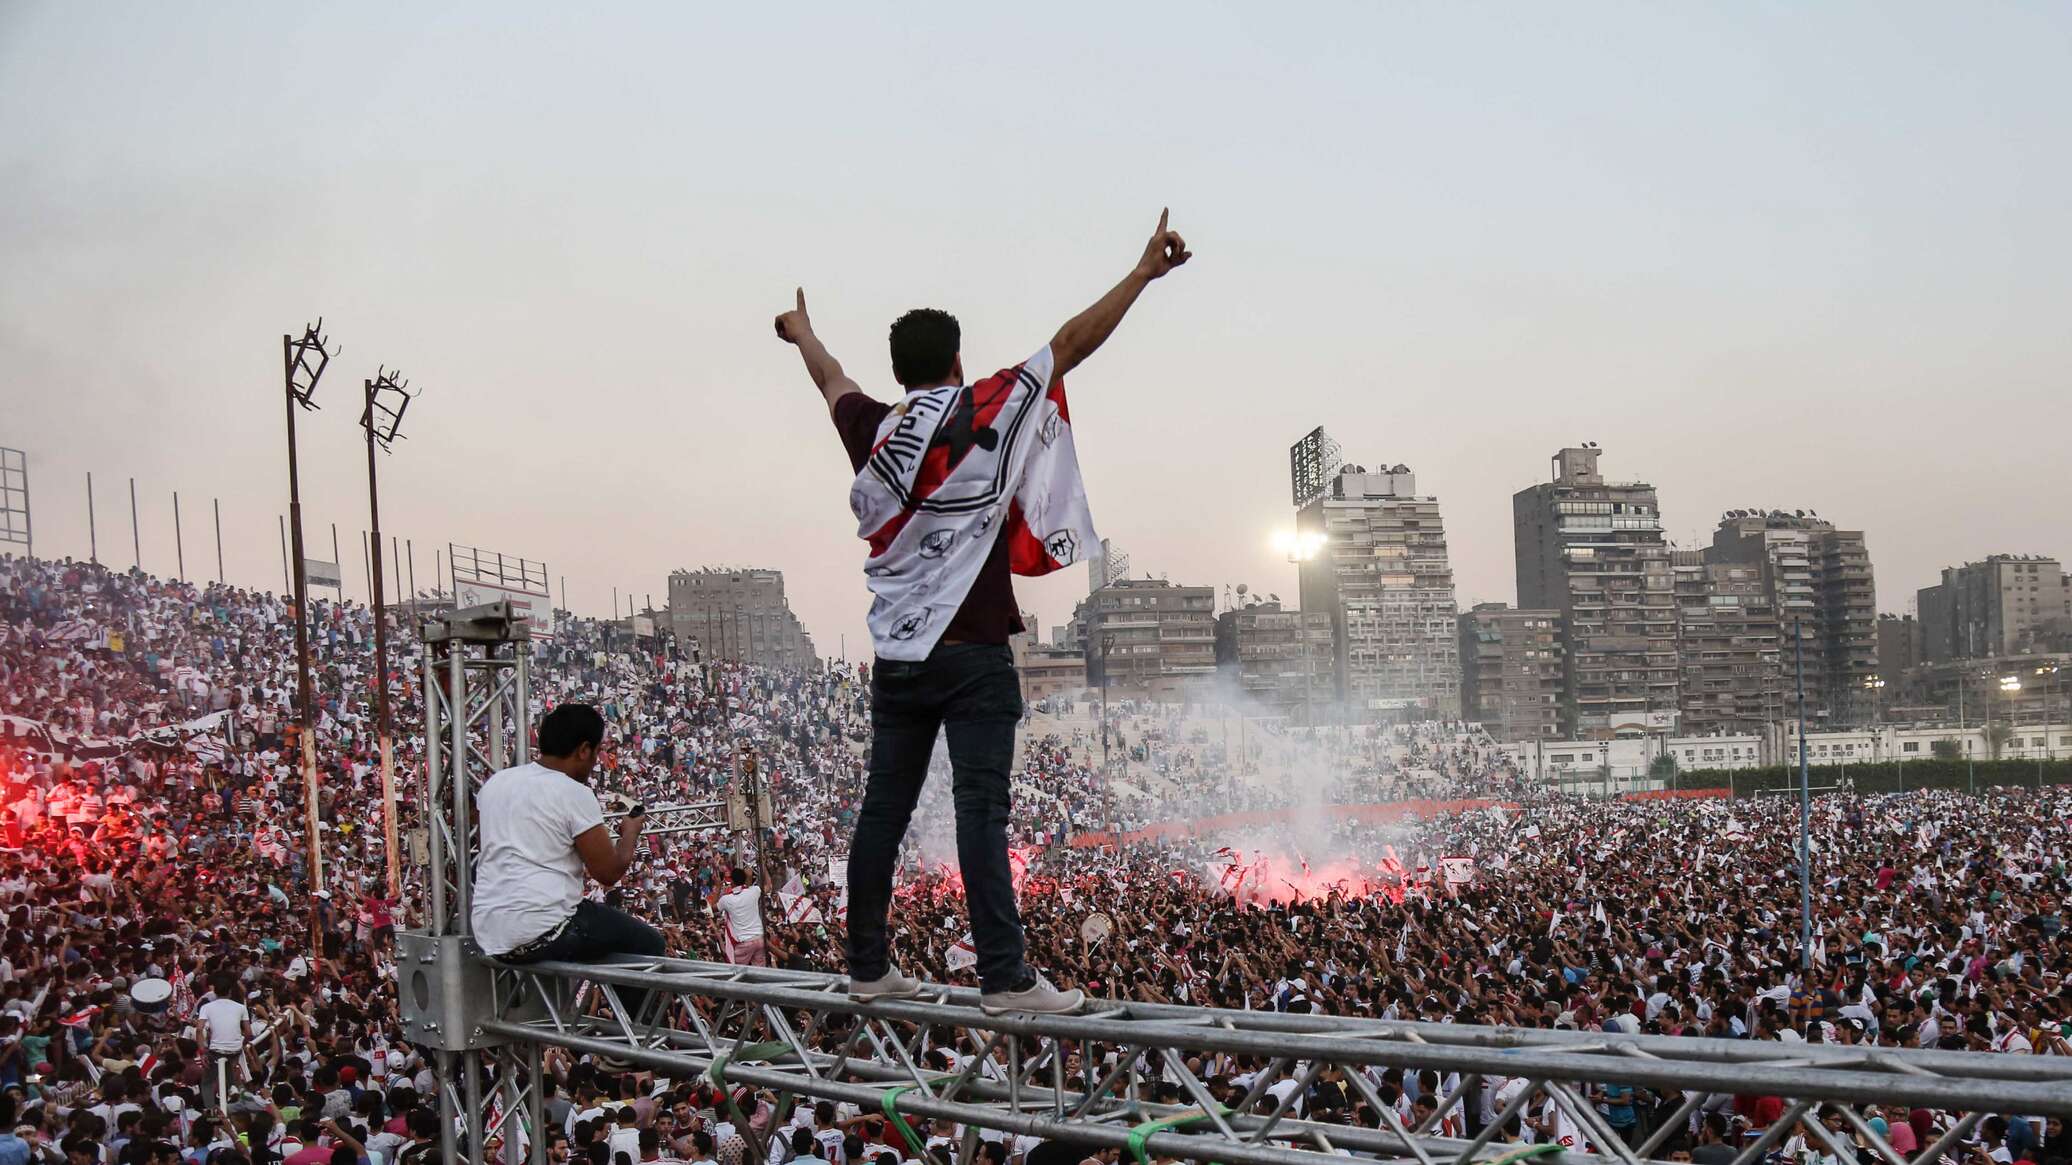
(537, 609)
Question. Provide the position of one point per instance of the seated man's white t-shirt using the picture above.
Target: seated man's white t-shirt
(529, 877)
(743, 908)
(225, 1019)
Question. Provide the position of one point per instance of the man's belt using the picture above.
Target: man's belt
(531, 948)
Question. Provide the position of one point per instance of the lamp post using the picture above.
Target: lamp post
(2011, 687)
(1970, 763)
(1805, 811)
(388, 396)
(303, 362)
(2050, 670)
(1875, 685)
(1302, 546)
(1107, 768)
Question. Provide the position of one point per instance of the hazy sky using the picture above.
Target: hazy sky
(1794, 256)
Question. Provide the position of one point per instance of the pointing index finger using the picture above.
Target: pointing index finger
(1162, 212)
(802, 298)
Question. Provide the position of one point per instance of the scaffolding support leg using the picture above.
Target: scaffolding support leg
(471, 1092)
(449, 1148)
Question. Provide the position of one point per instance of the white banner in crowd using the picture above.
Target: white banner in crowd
(202, 736)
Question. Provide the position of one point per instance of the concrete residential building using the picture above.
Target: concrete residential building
(2028, 688)
(1047, 671)
(1899, 646)
(1819, 577)
(2008, 604)
(1149, 638)
(1593, 550)
(738, 614)
(1510, 671)
(1282, 660)
(1728, 643)
(1384, 577)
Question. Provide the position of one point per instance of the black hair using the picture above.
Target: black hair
(925, 342)
(738, 876)
(569, 727)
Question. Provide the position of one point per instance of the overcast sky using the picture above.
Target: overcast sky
(1790, 256)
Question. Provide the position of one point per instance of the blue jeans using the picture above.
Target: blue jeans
(970, 691)
(597, 930)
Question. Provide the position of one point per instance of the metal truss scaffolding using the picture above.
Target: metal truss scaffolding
(1092, 1079)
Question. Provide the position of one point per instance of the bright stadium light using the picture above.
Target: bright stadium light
(1298, 545)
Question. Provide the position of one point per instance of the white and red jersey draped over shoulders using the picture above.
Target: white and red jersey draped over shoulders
(953, 469)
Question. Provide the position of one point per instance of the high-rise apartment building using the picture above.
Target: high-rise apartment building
(738, 614)
(2009, 604)
(1899, 646)
(1282, 660)
(1727, 647)
(1150, 638)
(1819, 579)
(1510, 671)
(1383, 576)
(1593, 550)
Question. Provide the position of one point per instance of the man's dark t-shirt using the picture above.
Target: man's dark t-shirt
(989, 613)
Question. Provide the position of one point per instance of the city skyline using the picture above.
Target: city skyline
(1482, 238)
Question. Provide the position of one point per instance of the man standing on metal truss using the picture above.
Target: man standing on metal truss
(958, 487)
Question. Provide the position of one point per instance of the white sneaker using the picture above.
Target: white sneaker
(890, 985)
(1034, 995)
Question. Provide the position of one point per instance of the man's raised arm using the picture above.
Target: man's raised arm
(795, 328)
(1091, 328)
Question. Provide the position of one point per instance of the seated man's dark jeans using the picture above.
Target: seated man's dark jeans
(969, 691)
(596, 931)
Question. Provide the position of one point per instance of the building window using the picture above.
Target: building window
(1910, 746)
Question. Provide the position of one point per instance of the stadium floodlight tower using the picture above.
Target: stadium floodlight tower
(388, 398)
(303, 361)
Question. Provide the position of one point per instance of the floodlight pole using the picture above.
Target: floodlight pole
(381, 424)
(293, 354)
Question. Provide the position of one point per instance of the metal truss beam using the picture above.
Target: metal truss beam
(1088, 1079)
(689, 817)
(798, 1035)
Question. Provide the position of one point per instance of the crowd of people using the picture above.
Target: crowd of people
(174, 986)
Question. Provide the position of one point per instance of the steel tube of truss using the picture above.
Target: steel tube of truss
(1693, 1067)
(870, 1098)
(1384, 1142)
(1679, 1048)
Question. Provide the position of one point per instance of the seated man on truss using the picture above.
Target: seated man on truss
(542, 830)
